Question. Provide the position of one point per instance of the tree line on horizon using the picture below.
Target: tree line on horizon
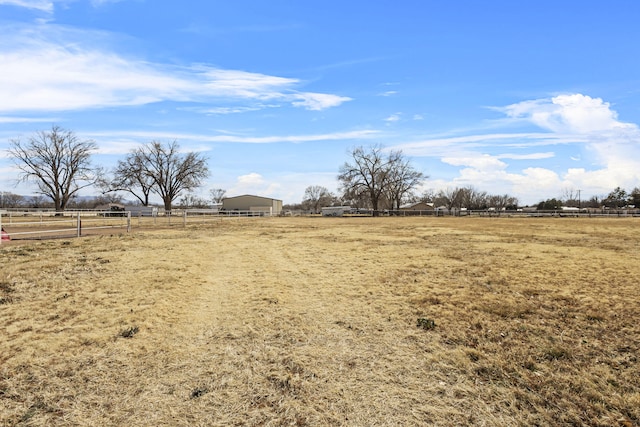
(59, 163)
(376, 180)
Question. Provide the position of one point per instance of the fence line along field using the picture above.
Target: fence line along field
(326, 321)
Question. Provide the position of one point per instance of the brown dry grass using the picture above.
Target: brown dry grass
(316, 321)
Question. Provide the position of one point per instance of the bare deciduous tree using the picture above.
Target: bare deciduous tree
(449, 197)
(570, 197)
(191, 200)
(471, 198)
(356, 198)
(315, 197)
(171, 171)
(217, 194)
(369, 172)
(503, 201)
(11, 200)
(95, 202)
(427, 196)
(130, 176)
(382, 177)
(38, 201)
(57, 161)
(403, 179)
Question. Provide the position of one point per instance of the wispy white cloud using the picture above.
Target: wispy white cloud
(317, 101)
(51, 69)
(41, 5)
(120, 142)
(395, 117)
(48, 6)
(230, 110)
(243, 84)
(9, 119)
(441, 146)
(529, 156)
(482, 162)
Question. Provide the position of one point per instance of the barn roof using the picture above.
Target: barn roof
(250, 195)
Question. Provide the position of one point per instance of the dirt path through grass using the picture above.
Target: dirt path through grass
(275, 323)
(305, 325)
(313, 321)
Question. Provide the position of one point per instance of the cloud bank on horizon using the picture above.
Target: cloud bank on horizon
(275, 124)
(588, 124)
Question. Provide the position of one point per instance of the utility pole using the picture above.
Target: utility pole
(579, 207)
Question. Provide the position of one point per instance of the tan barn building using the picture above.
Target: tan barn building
(248, 203)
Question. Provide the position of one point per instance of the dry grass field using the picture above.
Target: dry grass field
(323, 321)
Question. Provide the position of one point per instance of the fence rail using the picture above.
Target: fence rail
(30, 224)
(24, 225)
(590, 213)
(21, 226)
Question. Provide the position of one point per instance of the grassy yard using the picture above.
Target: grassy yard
(326, 321)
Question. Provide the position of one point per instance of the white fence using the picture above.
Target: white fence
(590, 213)
(50, 224)
(46, 224)
(193, 216)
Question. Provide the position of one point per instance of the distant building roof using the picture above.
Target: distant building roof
(417, 206)
(250, 195)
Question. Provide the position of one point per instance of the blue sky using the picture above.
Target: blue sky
(529, 98)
